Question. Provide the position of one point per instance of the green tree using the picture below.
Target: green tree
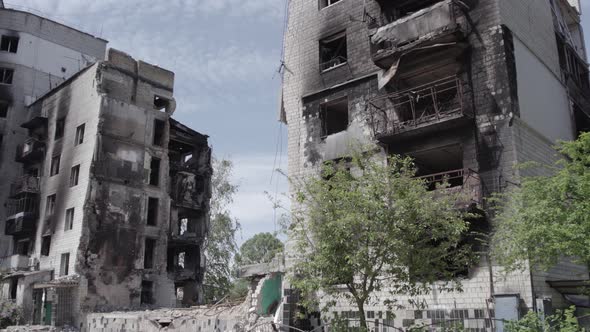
(562, 321)
(221, 246)
(261, 248)
(547, 217)
(371, 225)
(10, 314)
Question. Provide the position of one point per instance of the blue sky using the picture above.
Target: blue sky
(225, 54)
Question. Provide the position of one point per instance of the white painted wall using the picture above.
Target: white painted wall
(544, 104)
(45, 56)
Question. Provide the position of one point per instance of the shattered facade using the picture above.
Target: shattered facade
(114, 199)
(468, 89)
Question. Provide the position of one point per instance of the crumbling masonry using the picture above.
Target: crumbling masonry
(112, 206)
(468, 89)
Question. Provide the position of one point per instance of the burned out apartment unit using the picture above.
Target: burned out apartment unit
(112, 209)
(468, 89)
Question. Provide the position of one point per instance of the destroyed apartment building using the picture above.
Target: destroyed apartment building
(468, 89)
(110, 208)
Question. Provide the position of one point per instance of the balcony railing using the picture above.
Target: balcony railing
(429, 24)
(464, 183)
(26, 184)
(31, 151)
(438, 103)
(20, 224)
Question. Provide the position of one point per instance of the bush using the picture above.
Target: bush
(562, 321)
(10, 314)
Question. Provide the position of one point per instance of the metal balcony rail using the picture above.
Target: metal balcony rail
(465, 182)
(335, 62)
(26, 184)
(430, 103)
(22, 205)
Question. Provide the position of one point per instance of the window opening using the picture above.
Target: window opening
(147, 292)
(6, 75)
(333, 51)
(54, 166)
(154, 172)
(159, 127)
(45, 245)
(50, 205)
(3, 109)
(326, 3)
(334, 116)
(9, 44)
(21, 247)
(148, 257)
(59, 128)
(69, 224)
(74, 174)
(64, 269)
(80, 134)
(152, 211)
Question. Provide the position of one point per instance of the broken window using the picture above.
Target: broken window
(21, 247)
(45, 245)
(159, 127)
(334, 116)
(333, 51)
(9, 44)
(59, 128)
(152, 211)
(3, 109)
(147, 289)
(64, 268)
(54, 165)
(154, 172)
(79, 134)
(183, 226)
(75, 172)
(161, 103)
(6, 75)
(326, 3)
(179, 293)
(180, 261)
(50, 205)
(440, 164)
(69, 224)
(148, 256)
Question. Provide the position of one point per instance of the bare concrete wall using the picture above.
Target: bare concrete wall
(544, 102)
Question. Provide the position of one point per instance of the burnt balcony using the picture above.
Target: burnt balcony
(31, 151)
(25, 185)
(190, 190)
(22, 216)
(465, 184)
(186, 239)
(422, 110)
(435, 24)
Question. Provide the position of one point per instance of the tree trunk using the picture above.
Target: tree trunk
(363, 319)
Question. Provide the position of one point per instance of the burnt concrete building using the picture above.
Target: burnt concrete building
(114, 199)
(468, 89)
(36, 54)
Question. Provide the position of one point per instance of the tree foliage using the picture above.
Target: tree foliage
(366, 225)
(562, 321)
(261, 248)
(547, 217)
(10, 314)
(221, 245)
